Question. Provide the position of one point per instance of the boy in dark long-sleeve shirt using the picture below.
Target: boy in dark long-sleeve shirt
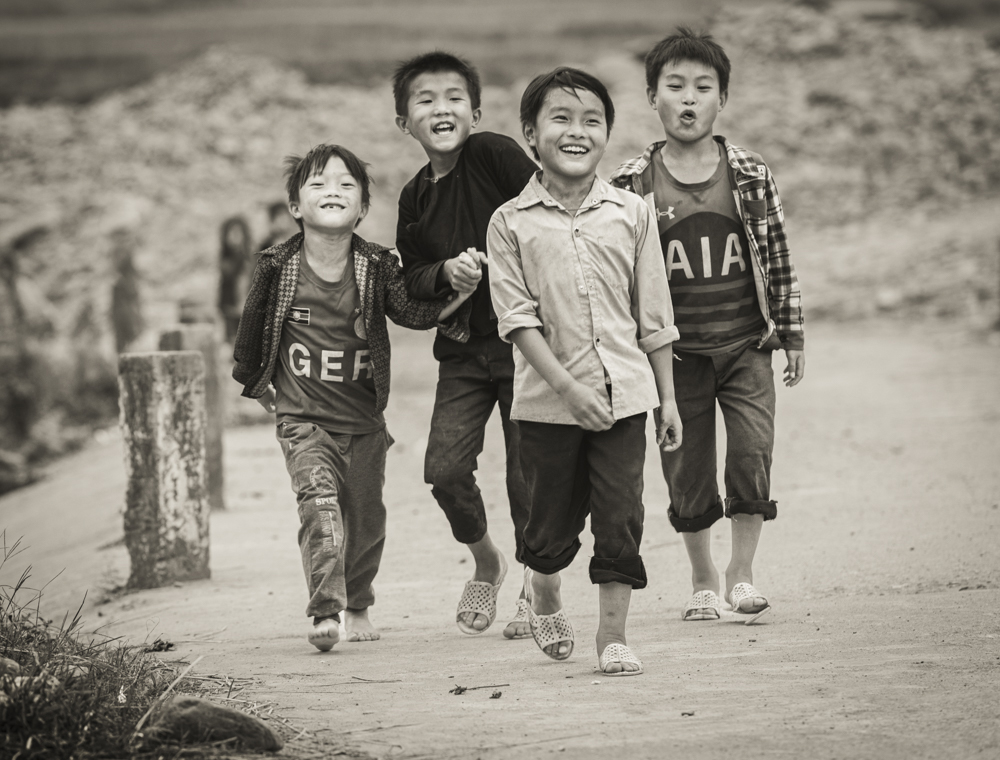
(444, 211)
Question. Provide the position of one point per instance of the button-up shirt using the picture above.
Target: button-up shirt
(593, 281)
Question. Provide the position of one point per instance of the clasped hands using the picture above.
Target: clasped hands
(465, 270)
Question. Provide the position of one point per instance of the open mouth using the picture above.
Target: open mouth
(331, 204)
(575, 150)
(688, 116)
(444, 128)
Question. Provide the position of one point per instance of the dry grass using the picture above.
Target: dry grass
(86, 695)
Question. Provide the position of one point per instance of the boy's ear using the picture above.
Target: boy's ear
(401, 123)
(651, 96)
(528, 130)
(723, 99)
(293, 209)
(362, 215)
(476, 116)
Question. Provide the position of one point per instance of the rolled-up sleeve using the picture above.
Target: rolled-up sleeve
(652, 309)
(512, 302)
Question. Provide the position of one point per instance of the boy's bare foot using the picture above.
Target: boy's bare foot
(325, 633)
(545, 599)
(359, 627)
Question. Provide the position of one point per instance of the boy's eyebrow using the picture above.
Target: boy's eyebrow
(674, 75)
(450, 90)
(587, 111)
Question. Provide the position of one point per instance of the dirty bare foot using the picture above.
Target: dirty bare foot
(359, 627)
(325, 633)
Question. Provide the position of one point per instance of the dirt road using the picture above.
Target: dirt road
(883, 568)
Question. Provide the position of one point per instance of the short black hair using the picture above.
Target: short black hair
(298, 170)
(687, 45)
(432, 63)
(567, 79)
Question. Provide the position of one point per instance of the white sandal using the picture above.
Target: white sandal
(547, 630)
(743, 591)
(520, 617)
(704, 605)
(621, 654)
(479, 597)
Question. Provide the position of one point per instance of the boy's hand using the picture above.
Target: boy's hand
(463, 272)
(268, 400)
(478, 256)
(669, 430)
(796, 367)
(590, 408)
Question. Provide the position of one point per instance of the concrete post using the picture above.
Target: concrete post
(201, 337)
(162, 400)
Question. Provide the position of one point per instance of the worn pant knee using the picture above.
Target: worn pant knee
(767, 508)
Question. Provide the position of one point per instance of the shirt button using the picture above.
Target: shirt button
(577, 232)
(598, 340)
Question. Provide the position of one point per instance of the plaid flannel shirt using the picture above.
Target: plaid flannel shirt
(383, 294)
(764, 221)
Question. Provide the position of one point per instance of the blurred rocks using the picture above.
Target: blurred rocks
(189, 720)
(14, 471)
(874, 124)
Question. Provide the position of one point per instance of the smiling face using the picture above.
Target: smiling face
(439, 112)
(331, 200)
(687, 100)
(570, 134)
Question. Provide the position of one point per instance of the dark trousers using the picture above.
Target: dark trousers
(742, 383)
(473, 377)
(338, 481)
(570, 473)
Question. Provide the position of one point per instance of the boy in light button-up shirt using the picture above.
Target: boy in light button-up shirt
(579, 287)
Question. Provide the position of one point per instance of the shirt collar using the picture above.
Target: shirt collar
(638, 165)
(534, 192)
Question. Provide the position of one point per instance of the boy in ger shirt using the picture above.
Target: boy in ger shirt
(314, 328)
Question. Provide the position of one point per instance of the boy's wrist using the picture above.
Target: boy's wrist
(565, 385)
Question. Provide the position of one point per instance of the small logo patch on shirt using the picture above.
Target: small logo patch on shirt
(299, 314)
(669, 213)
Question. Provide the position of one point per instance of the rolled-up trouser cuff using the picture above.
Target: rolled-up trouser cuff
(751, 507)
(695, 524)
(629, 570)
(548, 565)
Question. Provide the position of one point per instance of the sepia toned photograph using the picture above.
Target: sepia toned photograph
(427, 379)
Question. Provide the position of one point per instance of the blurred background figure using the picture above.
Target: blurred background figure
(126, 306)
(234, 253)
(281, 224)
